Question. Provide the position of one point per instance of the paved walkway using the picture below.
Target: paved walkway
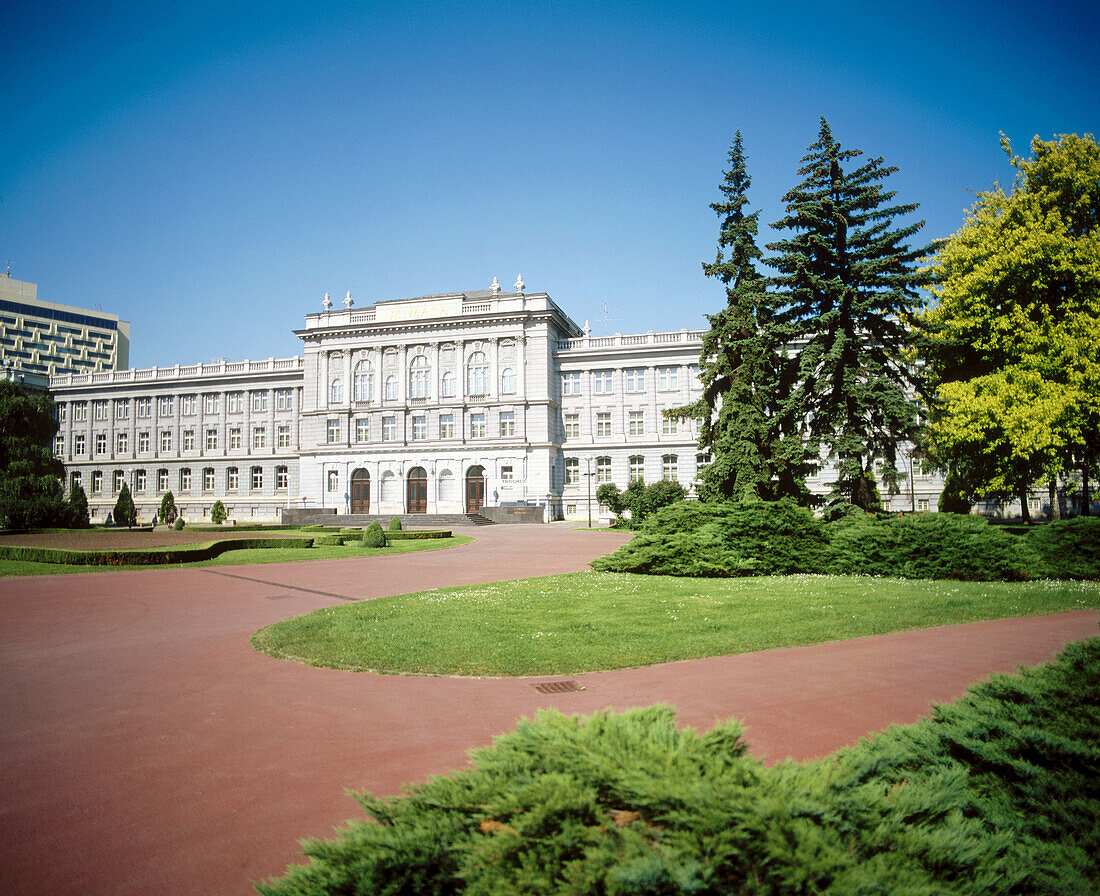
(146, 748)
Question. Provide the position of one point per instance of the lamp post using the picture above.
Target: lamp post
(588, 476)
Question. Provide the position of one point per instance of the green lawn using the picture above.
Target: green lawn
(245, 557)
(590, 621)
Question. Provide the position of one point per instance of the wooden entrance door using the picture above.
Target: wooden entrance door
(418, 491)
(475, 489)
(360, 492)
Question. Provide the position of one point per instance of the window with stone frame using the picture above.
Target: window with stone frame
(507, 423)
(670, 467)
(637, 467)
(572, 470)
(635, 423)
(603, 423)
(257, 478)
(603, 470)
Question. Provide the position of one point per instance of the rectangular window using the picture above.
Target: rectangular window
(282, 400)
(669, 426)
(211, 440)
(282, 479)
(636, 423)
(669, 467)
(232, 479)
(185, 479)
(637, 467)
(165, 440)
(144, 407)
(257, 478)
(100, 443)
(78, 443)
(668, 378)
(603, 423)
(235, 437)
(189, 440)
(99, 410)
(210, 403)
(122, 443)
(234, 402)
(259, 436)
(283, 433)
(362, 429)
(97, 482)
(572, 426)
(603, 469)
(117, 480)
(389, 429)
(333, 481)
(922, 506)
(572, 470)
(140, 481)
(477, 426)
(122, 409)
(506, 474)
(601, 382)
(80, 411)
(162, 480)
(259, 402)
(507, 423)
(635, 379)
(188, 404)
(332, 432)
(571, 384)
(208, 479)
(143, 442)
(60, 411)
(693, 372)
(164, 405)
(446, 426)
(420, 428)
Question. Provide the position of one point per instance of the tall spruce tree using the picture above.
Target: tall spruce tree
(847, 286)
(741, 366)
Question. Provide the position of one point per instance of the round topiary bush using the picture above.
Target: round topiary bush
(179, 524)
(373, 536)
(395, 525)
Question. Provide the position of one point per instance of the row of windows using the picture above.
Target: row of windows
(635, 424)
(139, 480)
(668, 380)
(418, 428)
(420, 376)
(166, 404)
(166, 438)
(670, 469)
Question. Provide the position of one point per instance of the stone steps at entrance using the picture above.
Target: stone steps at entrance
(408, 520)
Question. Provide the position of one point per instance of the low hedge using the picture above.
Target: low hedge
(147, 556)
(405, 534)
(995, 795)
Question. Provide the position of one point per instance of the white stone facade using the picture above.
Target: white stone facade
(438, 404)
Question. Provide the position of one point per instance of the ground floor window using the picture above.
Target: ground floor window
(572, 470)
(669, 467)
(282, 479)
(603, 469)
(97, 482)
(208, 479)
(637, 467)
(162, 480)
(232, 479)
(257, 478)
(185, 479)
(333, 481)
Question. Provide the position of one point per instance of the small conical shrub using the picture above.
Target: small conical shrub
(373, 536)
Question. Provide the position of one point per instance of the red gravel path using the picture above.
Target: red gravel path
(146, 748)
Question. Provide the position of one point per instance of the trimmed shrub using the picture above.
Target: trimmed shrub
(395, 525)
(724, 539)
(929, 546)
(179, 524)
(148, 556)
(125, 513)
(1067, 549)
(373, 536)
(167, 507)
(217, 513)
(994, 795)
(409, 535)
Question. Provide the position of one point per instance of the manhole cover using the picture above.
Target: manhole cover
(557, 687)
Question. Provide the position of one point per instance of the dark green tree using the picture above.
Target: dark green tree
(125, 512)
(30, 475)
(167, 507)
(756, 451)
(847, 286)
(77, 507)
(639, 499)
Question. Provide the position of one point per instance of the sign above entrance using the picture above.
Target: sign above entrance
(402, 311)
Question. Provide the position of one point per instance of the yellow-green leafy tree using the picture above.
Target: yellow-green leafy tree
(1013, 346)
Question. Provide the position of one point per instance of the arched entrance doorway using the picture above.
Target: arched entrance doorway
(418, 491)
(360, 491)
(475, 489)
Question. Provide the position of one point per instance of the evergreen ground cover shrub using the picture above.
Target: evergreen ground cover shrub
(1068, 549)
(998, 794)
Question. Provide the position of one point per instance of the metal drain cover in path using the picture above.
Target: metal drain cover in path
(557, 687)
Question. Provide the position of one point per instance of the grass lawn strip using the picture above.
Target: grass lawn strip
(587, 622)
(247, 556)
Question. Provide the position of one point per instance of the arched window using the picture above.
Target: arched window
(337, 391)
(603, 469)
(391, 388)
(508, 381)
(420, 373)
(477, 374)
(669, 467)
(637, 467)
(363, 382)
(448, 385)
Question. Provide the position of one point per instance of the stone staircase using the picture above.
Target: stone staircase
(408, 520)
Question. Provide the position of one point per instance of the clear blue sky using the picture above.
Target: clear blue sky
(208, 171)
